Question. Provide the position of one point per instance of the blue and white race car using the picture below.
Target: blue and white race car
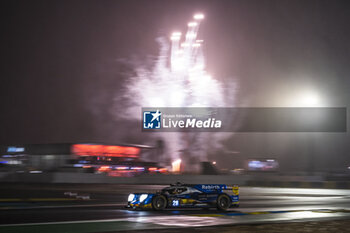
(180, 195)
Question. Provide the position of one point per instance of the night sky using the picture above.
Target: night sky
(63, 62)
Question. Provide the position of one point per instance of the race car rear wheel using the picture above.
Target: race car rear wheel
(223, 202)
(159, 202)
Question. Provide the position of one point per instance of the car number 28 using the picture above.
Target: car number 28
(175, 203)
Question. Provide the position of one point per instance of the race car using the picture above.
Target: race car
(180, 195)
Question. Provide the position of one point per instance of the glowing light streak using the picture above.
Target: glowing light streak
(198, 16)
(192, 24)
(176, 34)
(176, 165)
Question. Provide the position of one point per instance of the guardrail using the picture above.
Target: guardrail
(242, 180)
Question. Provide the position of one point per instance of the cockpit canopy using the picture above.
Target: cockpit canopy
(179, 190)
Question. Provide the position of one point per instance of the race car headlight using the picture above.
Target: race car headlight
(143, 197)
(131, 197)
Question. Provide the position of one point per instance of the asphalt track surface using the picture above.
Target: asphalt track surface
(38, 210)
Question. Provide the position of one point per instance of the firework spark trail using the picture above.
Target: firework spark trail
(185, 83)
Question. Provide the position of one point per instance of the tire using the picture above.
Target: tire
(159, 202)
(223, 202)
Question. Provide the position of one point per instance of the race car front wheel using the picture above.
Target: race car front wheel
(223, 202)
(159, 202)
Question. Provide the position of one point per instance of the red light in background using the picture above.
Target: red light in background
(105, 150)
(84, 150)
(163, 170)
(122, 168)
(113, 150)
(104, 168)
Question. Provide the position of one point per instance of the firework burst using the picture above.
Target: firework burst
(180, 80)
